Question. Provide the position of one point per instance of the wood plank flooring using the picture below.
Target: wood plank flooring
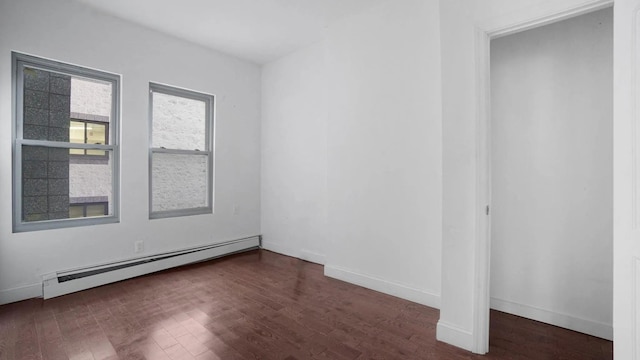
(257, 305)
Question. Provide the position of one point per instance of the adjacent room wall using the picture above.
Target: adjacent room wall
(294, 155)
(552, 190)
(384, 142)
(69, 32)
(459, 23)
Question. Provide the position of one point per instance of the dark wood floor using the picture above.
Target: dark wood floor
(257, 305)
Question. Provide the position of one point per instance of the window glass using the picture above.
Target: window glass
(178, 122)
(88, 132)
(179, 181)
(90, 209)
(76, 211)
(96, 209)
(50, 180)
(76, 135)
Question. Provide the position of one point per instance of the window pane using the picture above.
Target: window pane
(50, 177)
(96, 152)
(178, 123)
(76, 132)
(88, 132)
(51, 99)
(96, 133)
(47, 105)
(96, 210)
(76, 211)
(179, 181)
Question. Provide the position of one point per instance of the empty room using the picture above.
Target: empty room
(303, 179)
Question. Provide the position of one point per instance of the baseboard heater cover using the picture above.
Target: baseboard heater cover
(66, 282)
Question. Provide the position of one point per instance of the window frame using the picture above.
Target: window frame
(21, 61)
(209, 100)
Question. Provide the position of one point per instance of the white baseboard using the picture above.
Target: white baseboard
(306, 255)
(454, 335)
(280, 249)
(590, 327)
(384, 286)
(20, 293)
(312, 257)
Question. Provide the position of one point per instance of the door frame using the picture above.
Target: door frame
(485, 31)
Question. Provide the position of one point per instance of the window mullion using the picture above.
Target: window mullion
(60, 144)
(179, 151)
(85, 150)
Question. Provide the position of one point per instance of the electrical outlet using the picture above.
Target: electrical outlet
(138, 247)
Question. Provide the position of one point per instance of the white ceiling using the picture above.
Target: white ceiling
(256, 30)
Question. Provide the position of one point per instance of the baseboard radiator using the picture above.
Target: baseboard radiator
(66, 282)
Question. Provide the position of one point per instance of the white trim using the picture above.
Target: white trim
(635, 306)
(384, 286)
(485, 31)
(594, 328)
(20, 293)
(626, 157)
(506, 25)
(483, 199)
(454, 335)
(635, 80)
(635, 157)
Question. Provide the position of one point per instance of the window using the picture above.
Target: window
(88, 132)
(63, 112)
(78, 210)
(181, 152)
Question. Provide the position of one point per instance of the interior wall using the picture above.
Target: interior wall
(552, 179)
(294, 155)
(460, 21)
(626, 172)
(69, 32)
(384, 150)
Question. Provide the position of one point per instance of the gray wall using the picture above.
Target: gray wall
(45, 173)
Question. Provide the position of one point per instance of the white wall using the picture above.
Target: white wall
(626, 142)
(69, 32)
(294, 155)
(459, 20)
(351, 151)
(384, 150)
(552, 190)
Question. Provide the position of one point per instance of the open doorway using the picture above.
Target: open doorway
(551, 173)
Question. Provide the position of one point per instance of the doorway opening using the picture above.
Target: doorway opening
(552, 173)
(554, 311)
